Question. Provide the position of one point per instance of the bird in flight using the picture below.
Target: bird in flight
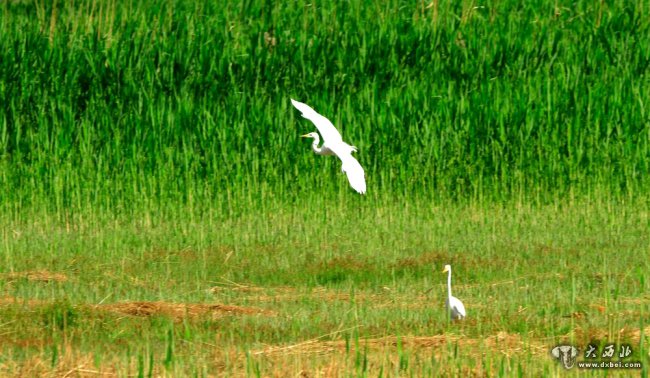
(333, 144)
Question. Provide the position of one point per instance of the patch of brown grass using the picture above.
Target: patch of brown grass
(635, 335)
(180, 311)
(9, 301)
(286, 294)
(426, 258)
(502, 342)
(25, 343)
(159, 254)
(71, 364)
(591, 334)
(176, 311)
(232, 286)
(36, 275)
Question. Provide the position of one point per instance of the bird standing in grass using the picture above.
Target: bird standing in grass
(454, 305)
(333, 144)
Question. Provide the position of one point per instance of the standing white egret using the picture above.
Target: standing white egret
(333, 144)
(454, 305)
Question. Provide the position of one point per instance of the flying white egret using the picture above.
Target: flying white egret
(333, 144)
(454, 305)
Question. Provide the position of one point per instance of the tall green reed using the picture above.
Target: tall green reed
(123, 105)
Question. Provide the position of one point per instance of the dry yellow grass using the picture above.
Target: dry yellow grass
(178, 311)
(36, 275)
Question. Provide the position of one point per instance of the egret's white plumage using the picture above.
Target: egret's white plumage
(454, 305)
(333, 144)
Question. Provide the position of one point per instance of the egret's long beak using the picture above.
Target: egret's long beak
(446, 270)
(305, 136)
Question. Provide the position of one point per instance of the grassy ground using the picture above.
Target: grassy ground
(160, 216)
(273, 293)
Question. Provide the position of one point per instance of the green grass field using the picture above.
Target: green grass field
(160, 216)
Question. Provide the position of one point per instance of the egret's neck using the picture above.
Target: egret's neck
(449, 283)
(314, 146)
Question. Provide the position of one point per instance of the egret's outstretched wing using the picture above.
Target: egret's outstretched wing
(354, 171)
(329, 133)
